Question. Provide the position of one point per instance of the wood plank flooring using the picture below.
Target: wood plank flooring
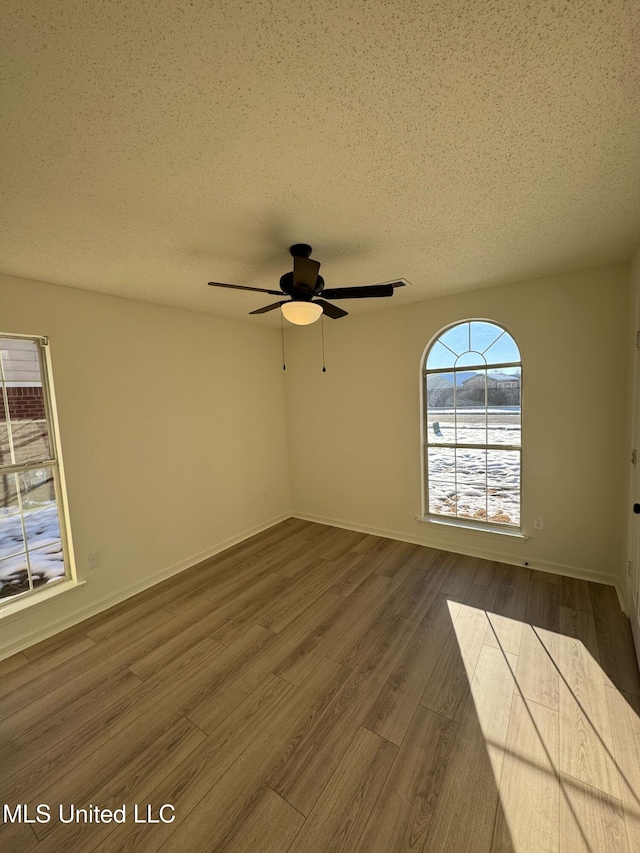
(316, 690)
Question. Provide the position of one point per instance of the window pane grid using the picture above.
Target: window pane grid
(473, 457)
(475, 446)
(473, 493)
(31, 531)
(493, 365)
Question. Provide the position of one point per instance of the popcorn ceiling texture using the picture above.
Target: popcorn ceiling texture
(148, 147)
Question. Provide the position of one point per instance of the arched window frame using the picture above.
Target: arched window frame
(454, 519)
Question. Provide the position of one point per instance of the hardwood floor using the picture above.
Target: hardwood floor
(316, 690)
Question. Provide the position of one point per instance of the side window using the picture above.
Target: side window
(33, 552)
(472, 425)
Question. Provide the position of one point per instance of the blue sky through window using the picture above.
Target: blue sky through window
(484, 342)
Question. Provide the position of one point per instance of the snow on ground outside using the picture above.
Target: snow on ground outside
(472, 483)
(44, 545)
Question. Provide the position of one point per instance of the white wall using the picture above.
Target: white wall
(354, 432)
(172, 426)
(633, 472)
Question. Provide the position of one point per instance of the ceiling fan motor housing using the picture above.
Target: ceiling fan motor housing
(296, 293)
(300, 250)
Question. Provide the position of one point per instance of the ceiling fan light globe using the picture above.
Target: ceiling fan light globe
(301, 313)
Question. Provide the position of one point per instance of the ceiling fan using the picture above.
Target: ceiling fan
(305, 286)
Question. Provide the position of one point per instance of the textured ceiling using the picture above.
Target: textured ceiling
(148, 147)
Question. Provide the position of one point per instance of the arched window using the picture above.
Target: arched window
(472, 425)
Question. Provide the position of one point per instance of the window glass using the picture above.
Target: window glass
(457, 338)
(32, 552)
(472, 424)
(441, 356)
(503, 351)
(471, 358)
(483, 335)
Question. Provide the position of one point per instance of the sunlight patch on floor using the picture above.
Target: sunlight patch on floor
(563, 743)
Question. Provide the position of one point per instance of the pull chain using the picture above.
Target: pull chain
(284, 364)
(324, 369)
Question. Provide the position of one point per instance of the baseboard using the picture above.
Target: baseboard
(481, 553)
(53, 628)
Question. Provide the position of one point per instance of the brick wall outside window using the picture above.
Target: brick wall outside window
(26, 403)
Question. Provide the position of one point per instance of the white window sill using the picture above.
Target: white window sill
(9, 607)
(476, 527)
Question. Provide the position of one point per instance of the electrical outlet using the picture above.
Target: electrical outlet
(538, 523)
(93, 560)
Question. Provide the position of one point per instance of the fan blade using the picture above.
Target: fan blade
(362, 292)
(268, 307)
(331, 310)
(305, 273)
(242, 287)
